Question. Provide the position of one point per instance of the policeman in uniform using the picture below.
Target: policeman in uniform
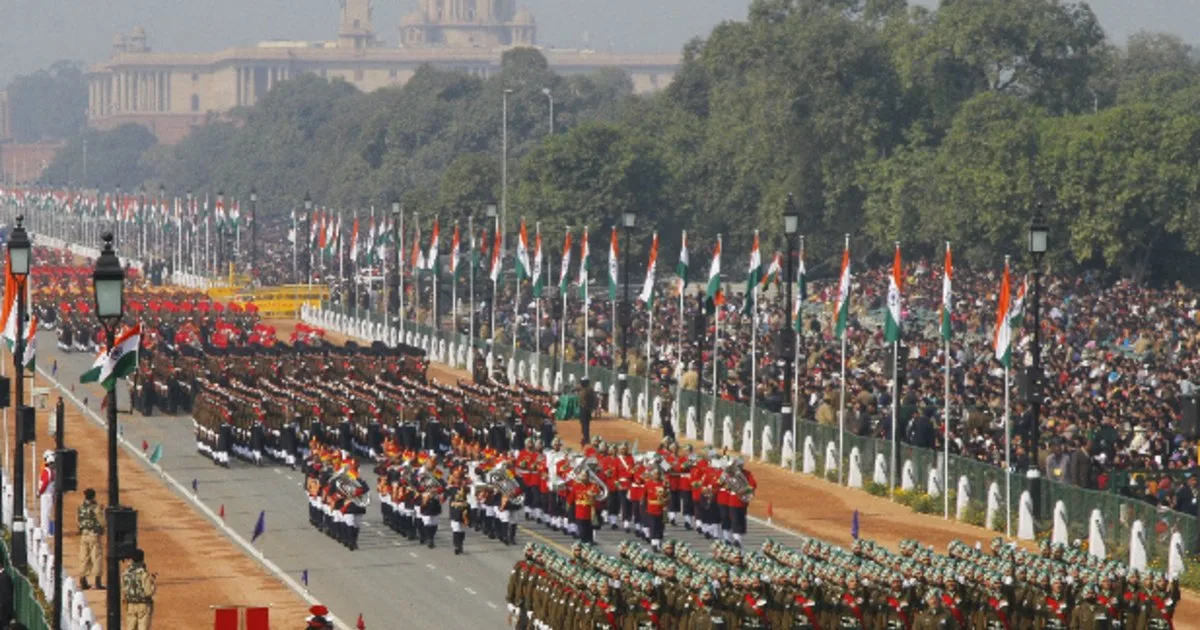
(91, 532)
(587, 406)
(138, 588)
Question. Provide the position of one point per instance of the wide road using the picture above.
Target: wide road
(391, 582)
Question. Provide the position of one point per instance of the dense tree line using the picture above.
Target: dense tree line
(887, 121)
(48, 104)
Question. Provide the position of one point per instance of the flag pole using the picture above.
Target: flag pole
(895, 397)
(946, 432)
(842, 403)
(587, 331)
(471, 285)
(537, 310)
(563, 282)
(1007, 434)
(400, 273)
(454, 286)
(716, 348)
(495, 277)
(795, 393)
(680, 368)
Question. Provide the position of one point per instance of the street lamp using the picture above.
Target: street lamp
(550, 96)
(254, 230)
(1039, 235)
(162, 199)
(628, 219)
(787, 349)
(192, 240)
(491, 214)
(504, 169)
(397, 232)
(108, 285)
(20, 252)
(221, 213)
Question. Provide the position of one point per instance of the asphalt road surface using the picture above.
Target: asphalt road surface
(391, 582)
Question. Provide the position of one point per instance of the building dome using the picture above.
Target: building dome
(138, 33)
(119, 40)
(523, 17)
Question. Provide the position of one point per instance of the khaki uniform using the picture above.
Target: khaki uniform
(138, 588)
(1088, 615)
(90, 532)
(935, 620)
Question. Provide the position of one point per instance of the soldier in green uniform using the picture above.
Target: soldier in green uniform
(91, 532)
(935, 616)
(138, 587)
(1088, 614)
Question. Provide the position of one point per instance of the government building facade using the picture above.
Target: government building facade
(172, 94)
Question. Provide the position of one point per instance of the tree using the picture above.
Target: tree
(49, 104)
(114, 159)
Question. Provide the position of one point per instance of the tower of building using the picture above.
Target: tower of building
(468, 24)
(356, 30)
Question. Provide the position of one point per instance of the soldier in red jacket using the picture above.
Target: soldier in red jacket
(657, 496)
(738, 502)
(583, 495)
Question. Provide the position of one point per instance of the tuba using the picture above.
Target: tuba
(355, 490)
(585, 472)
(499, 479)
(735, 482)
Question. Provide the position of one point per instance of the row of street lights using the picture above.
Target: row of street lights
(108, 281)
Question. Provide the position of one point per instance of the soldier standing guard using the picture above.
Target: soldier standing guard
(138, 586)
(587, 406)
(46, 491)
(90, 532)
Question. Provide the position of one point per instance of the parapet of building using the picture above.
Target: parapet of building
(173, 93)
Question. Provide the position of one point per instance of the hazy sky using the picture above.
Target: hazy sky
(35, 33)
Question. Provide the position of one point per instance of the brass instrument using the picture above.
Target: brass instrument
(585, 472)
(500, 479)
(429, 482)
(735, 482)
(350, 488)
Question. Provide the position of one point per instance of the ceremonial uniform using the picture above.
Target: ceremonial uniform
(46, 492)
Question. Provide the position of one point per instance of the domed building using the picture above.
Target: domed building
(468, 24)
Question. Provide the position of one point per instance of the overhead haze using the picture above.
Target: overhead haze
(35, 33)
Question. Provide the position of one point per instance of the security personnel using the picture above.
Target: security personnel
(91, 532)
(458, 517)
(587, 407)
(138, 586)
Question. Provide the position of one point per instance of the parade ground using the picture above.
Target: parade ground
(391, 582)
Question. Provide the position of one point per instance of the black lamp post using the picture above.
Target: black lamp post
(399, 271)
(254, 230)
(20, 254)
(221, 255)
(162, 199)
(490, 211)
(108, 284)
(1039, 235)
(308, 218)
(628, 219)
(191, 241)
(787, 349)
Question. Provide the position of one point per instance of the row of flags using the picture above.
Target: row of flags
(129, 208)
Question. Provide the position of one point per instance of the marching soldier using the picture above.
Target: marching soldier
(91, 531)
(138, 587)
(935, 616)
(458, 517)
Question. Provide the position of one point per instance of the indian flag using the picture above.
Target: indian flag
(92, 375)
(122, 359)
(1016, 314)
(537, 263)
(647, 295)
(354, 241)
(801, 292)
(1002, 338)
(563, 278)
(754, 277)
(495, 270)
(432, 263)
(8, 315)
(454, 245)
(612, 265)
(891, 328)
(947, 295)
(523, 253)
(714, 276)
(773, 270)
(843, 299)
(681, 269)
(585, 265)
(416, 258)
(30, 344)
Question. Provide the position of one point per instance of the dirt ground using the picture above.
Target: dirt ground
(197, 566)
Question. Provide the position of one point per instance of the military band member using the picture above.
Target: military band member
(459, 519)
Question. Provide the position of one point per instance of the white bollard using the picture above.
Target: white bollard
(748, 440)
(881, 473)
(1175, 556)
(727, 432)
(656, 413)
(1137, 546)
(993, 506)
(512, 371)
(454, 364)
(690, 430)
(963, 500)
(558, 383)
(854, 479)
(831, 459)
(810, 456)
(1025, 517)
(614, 406)
(522, 372)
(1059, 533)
(1096, 532)
(627, 404)
(768, 443)
(710, 429)
(934, 487)
(641, 408)
(546, 380)
(908, 476)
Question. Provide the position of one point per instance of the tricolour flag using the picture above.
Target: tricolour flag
(564, 278)
(947, 294)
(681, 269)
(647, 295)
(612, 265)
(843, 299)
(8, 315)
(92, 374)
(523, 253)
(1002, 337)
(537, 263)
(121, 361)
(801, 293)
(773, 271)
(354, 240)
(454, 245)
(1016, 314)
(753, 277)
(891, 327)
(432, 263)
(30, 344)
(416, 258)
(495, 269)
(585, 265)
(715, 296)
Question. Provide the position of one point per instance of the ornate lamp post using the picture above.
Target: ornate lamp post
(628, 220)
(20, 255)
(108, 283)
(787, 337)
